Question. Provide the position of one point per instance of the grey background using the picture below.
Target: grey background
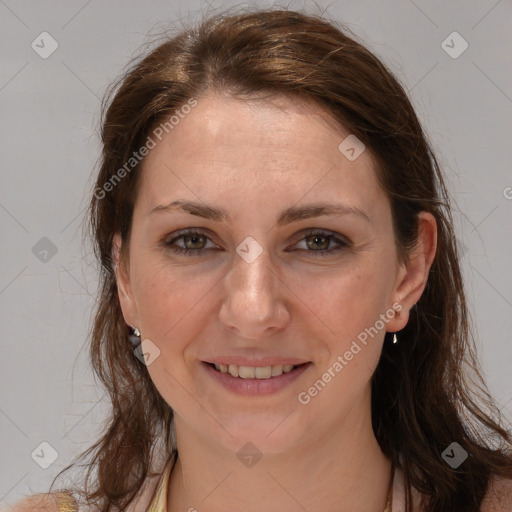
(49, 147)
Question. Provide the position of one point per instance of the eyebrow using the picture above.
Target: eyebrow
(292, 214)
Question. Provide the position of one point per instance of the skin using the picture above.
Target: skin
(255, 159)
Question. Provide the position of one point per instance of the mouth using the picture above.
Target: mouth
(255, 372)
(254, 380)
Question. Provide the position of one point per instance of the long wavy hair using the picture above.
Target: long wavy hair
(427, 390)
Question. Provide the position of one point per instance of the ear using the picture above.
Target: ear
(413, 274)
(124, 288)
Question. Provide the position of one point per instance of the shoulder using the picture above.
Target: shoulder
(64, 502)
(43, 502)
(499, 495)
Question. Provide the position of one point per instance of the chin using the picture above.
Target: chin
(269, 434)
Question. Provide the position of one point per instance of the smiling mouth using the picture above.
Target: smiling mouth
(255, 372)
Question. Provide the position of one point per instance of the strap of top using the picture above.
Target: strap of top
(389, 501)
(66, 502)
(159, 501)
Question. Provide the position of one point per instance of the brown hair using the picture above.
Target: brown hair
(427, 391)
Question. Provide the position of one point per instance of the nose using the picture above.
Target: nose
(255, 298)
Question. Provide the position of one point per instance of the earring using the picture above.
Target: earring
(395, 339)
(134, 337)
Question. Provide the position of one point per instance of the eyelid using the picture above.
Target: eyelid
(342, 241)
(169, 239)
(301, 235)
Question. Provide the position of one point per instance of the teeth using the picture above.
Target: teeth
(263, 372)
(246, 372)
(276, 370)
(254, 372)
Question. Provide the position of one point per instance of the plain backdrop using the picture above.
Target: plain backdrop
(49, 149)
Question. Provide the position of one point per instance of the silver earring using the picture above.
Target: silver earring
(135, 337)
(395, 339)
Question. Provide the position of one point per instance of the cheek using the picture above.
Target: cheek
(168, 301)
(348, 301)
(172, 307)
(335, 303)
(352, 312)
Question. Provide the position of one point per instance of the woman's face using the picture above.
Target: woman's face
(273, 280)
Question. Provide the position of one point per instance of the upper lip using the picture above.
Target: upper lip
(252, 361)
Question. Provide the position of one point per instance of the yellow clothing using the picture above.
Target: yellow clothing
(67, 502)
(159, 501)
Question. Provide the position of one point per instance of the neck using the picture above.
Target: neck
(340, 471)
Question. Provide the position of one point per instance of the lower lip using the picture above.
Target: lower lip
(255, 386)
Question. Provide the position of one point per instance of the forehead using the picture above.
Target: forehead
(226, 148)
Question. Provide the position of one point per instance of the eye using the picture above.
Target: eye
(320, 241)
(195, 241)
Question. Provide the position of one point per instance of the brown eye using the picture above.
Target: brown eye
(320, 242)
(317, 243)
(192, 243)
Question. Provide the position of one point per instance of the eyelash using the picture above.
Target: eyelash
(315, 254)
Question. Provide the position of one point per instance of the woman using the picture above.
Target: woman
(282, 322)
